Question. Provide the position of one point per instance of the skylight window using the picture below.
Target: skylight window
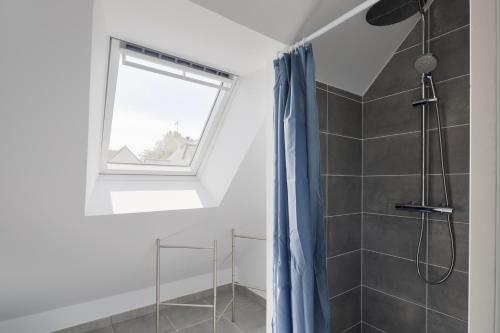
(161, 111)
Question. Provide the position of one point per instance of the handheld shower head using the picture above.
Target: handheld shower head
(426, 63)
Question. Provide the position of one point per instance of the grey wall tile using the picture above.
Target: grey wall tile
(394, 276)
(366, 328)
(446, 15)
(343, 234)
(344, 93)
(452, 51)
(145, 323)
(380, 194)
(398, 75)
(393, 235)
(459, 196)
(344, 194)
(391, 314)
(344, 155)
(456, 150)
(324, 191)
(355, 329)
(344, 116)
(321, 85)
(451, 296)
(344, 272)
(345, 310)
(391, 115)
(414, 38)
(103, 323)
(392, 155)
(321, 100)
(453, 96)
(439, 244)
(438, 323)
(323, 138)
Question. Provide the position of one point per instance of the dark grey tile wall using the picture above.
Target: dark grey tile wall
(394, 299)
(341, 143)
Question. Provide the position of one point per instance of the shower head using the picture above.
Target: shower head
(426, 63)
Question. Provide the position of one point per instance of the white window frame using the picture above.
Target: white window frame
(117, 53)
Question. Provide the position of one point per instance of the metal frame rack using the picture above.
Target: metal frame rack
(159, 246)
(233, 281)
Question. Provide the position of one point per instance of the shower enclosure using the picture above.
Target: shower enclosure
(396, 180)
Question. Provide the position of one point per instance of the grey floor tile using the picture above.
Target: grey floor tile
(451, 297)
(321, 100)
(249, 316)
(183, 317)
(453, 96)
(439, 323)
(452, 50)
(393, 155)
(345, 311)
(394, 276)
(456, 150)
(343, 234)
(392, 314)
(144, 324)
(107, 329)
(344, 195)
(392, 235)
(380, 194)
(439, 244)
(446, 15)
(223, 326)
(344, 155)
(391, 115)
(344, 272)
(344, 116)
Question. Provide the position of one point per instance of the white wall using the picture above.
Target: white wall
(483, 166)
(52, 255)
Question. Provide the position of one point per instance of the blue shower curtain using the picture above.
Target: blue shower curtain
(300, 287)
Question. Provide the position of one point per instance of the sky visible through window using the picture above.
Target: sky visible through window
(157, 119)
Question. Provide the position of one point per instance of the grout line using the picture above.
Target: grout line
(340, 135)
(339, 94)
(170, 321)
(447, 315)
(433, 38)
(413, 260)
(411, 217)
(396, 297)
(376, 328)
(412, 89)
(415, 132)
(361, 241)
(342, 254)
(345, 292)
(346, 214)
(347, 329)
(413, 175)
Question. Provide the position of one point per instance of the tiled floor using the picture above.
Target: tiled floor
(250, 317)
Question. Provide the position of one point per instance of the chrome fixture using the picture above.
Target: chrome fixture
(424, 65)
(425, 209)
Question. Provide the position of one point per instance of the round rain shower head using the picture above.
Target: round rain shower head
(387, 12)
(426, 63)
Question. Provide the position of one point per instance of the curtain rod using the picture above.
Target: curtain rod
(339, 20)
